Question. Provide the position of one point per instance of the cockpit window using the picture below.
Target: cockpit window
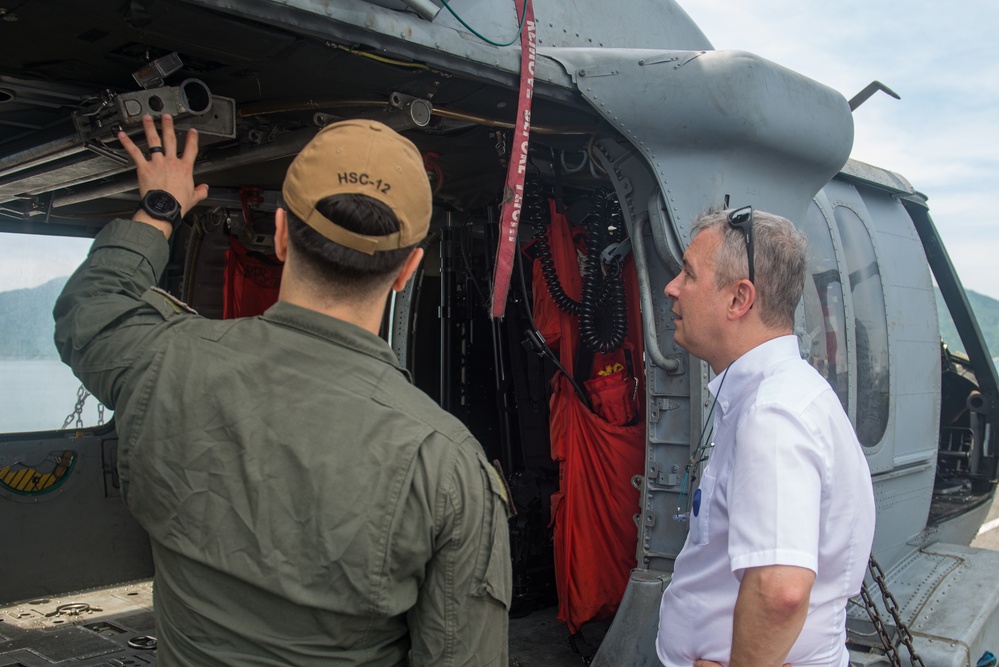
(871, 327)
(825, 317)
(37, 391)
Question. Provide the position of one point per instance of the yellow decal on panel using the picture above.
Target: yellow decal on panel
(31, 480)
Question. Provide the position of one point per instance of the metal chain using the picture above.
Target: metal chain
(77, 414)
(879, 626)
(891, 604)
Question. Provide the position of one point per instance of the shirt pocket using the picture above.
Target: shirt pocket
(700, 510)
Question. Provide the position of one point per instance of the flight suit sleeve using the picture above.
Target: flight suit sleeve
(106, 316)
(461, 615)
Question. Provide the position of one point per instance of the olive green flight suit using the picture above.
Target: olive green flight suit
(306, 504)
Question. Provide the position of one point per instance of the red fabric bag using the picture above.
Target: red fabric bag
(252, 281)
(595, 532)
(598, 451)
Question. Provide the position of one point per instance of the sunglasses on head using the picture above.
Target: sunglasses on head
(742, 219)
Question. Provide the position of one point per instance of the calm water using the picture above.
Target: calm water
(38, 395)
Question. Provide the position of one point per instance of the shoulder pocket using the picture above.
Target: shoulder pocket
(496, 580)
(167, 304)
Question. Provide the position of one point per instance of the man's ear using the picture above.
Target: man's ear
(408, 269)
(743, 296)
(281, 234)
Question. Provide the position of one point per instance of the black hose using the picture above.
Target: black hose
(536, 342)
(602, 308)
(535, 209)
(603, 315)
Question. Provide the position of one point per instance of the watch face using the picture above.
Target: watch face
(161, 202)
(161, 205)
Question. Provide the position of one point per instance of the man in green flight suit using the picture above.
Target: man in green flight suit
(306, 504)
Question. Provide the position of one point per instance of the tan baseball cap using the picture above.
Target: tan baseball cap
(362, 157)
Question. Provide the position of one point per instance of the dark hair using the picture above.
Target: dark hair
(343, 268)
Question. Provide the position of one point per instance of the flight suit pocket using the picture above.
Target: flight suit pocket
(700, 511)
(496, 580)
(124, 262)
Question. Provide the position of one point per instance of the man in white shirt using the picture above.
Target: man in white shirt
(782, 522)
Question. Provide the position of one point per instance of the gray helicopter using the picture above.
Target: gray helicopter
(549, 130)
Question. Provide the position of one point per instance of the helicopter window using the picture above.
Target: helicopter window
(871, 323)
(37, 391)
(825, 318)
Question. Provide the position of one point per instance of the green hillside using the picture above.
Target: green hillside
(986, 312)
(26, 325)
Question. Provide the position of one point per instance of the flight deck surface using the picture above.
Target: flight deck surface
(114, 627)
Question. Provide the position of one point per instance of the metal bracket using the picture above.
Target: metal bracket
(599, 70)
(155, 73)
(614, 254)
(117, 111)
(404, 112)
(677, 60)
(677, 365)
(659, 405)
(100, 149)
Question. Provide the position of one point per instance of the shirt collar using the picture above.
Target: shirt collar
(741, 373)
(338, 331)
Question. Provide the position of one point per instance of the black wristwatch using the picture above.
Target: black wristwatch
(162, 205)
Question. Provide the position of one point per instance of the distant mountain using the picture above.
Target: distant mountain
(986, 311)
(26, 326)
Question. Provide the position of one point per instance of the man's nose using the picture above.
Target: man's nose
(671, 288)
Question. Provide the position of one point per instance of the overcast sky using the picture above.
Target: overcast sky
(942, 58)
(29, 260)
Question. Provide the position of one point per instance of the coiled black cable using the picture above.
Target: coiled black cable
(535, 209)
(603, 315)
(602, 308)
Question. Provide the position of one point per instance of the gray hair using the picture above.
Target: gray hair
(779, 257)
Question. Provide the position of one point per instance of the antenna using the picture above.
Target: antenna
(872, 87)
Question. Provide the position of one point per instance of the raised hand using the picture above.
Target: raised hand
(164, 169)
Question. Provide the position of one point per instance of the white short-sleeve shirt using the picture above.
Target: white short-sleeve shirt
(786, 483)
